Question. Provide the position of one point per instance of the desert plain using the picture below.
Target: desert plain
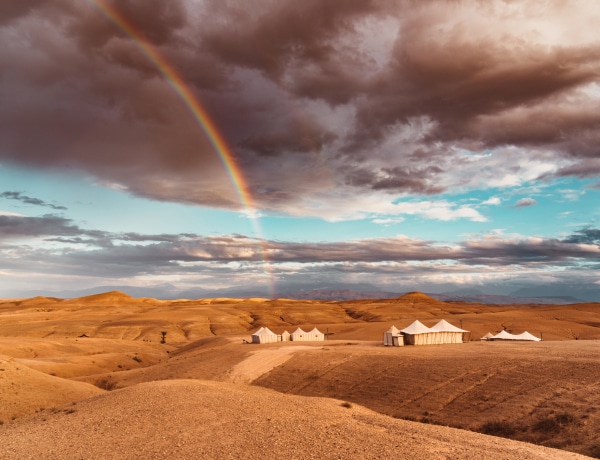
(91, 378)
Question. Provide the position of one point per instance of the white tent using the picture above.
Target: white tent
(527, 336)
(447, 333)
(264, 335)
(503, 335)
(487, 336)
(298, 335)
(388, 337)
(285, 336)
(418, 334)
(315, 335)
(443, 332)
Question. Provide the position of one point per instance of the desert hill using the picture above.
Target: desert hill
(543, 392)
(23, 389)
(183, 419)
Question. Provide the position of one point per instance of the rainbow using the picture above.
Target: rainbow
(201, 116)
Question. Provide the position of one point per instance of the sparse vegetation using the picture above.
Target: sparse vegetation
(595, 450)
(556, 423)
(106, 384)
(137, 359)
(503, 429)
(163, 336)
(347, 405)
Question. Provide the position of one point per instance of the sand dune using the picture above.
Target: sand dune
(184, 419)
(24, 390)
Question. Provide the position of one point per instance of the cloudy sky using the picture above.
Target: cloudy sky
(427, 145)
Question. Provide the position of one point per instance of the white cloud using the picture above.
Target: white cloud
(7, 213)
(493, 201)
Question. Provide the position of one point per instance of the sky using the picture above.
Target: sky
(209, 144)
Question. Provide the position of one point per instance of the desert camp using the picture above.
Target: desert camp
(418, 334)
(265, 335)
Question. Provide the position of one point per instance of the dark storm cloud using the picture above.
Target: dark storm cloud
(17, 226)
(13, 10)
(374, 96)
(29, 200)
(585, 236)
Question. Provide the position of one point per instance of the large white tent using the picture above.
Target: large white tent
(503, 335)
(264, 335)
(302, 336)
(443, 332)
(390, 334)
(447, 333)
(527, 336)
(418, 334)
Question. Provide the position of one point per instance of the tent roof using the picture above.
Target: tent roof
(445, 326)
(315, 331)
(393, 330)
(522, 336)
(264, 331)
(416, 328)
(489, 335)
(505, 335)
(299, 331)
(527, 336)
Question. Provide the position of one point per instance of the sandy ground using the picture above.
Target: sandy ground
(262, 361)
(185, 419)
(205, 394)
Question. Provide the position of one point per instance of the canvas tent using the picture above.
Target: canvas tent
(527, 336)
(417, 334)
(487, 336)
(315, 335)
(264, 335)
(392, 337)
(285, 336)
(447, 333)
(503, 335)
(443, 332)
(298, 335)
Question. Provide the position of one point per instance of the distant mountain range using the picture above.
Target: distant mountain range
(533, 295)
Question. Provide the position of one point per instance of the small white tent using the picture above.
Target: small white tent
(387, 336)
(298, 335)
(315, 335)
(285, 336)
(487, 336)
(264, 335)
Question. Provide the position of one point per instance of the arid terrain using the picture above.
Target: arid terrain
(90, 378)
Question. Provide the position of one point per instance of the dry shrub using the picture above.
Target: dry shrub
(106, 384)
(594, 451)
(555, 423)
(502, 429)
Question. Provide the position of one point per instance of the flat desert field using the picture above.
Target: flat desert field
(92, 378)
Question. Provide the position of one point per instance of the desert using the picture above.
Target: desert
(91, 378)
